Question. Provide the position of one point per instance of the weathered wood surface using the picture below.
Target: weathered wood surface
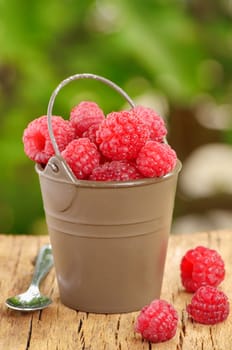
(60, 328)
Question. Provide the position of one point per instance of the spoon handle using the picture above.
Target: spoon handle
(43, 264)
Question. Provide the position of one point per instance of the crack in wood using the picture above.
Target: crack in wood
(82, 339)
(118, 323)
(211, 338)
(173, 297)
(19, 253)
(83, 346)
(117, 330)
(29, 334)
(40, 315)
(80, 326)
(182, 331)
(181, 341)
(183, 324)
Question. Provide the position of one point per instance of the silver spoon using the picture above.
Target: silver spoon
(32, 299)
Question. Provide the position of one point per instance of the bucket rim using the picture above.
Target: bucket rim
(109, 184)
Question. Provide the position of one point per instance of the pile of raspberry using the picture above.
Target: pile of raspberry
(202, 270)
(121, 146)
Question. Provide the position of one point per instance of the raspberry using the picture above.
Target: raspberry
(208, 305)
(91, 132)
(121, 135)
(37, 142)
(156, 159)
(157, 322)
(201, 266)
(155, 123)
(85, 114)
(117, 170)
(82, 156)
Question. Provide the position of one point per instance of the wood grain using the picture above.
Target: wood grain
(60, 328)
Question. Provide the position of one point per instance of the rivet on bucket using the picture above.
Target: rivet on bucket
(109, 240)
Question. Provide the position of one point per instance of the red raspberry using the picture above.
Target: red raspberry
(209, 305)
(155, 123)
(82, 156)
(36, 138)
(156, 159)
(84, 115)
(121, 135)
(117, 170)
(157, 322)
(91, 132)
(201, 266)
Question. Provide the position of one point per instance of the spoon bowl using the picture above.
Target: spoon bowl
(28, 301)
(32, 299)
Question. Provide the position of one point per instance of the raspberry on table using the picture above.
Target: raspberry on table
(152, 119)
(82, 156)
(37, 143)
(116, 170)
(201, 266)
(156, 159)
(84, 115)
(209, 305)
(121, 135)
(157, 322)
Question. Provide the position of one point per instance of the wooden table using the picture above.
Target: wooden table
(60, 328)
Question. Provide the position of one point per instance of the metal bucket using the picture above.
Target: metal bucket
(109, 239)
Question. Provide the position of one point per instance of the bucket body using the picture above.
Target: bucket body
(109, 240)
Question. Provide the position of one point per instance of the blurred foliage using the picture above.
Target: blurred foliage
(180, 50)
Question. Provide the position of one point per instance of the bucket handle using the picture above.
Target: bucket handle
(67, 81)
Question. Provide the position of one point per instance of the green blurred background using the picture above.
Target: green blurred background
(173, 55)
